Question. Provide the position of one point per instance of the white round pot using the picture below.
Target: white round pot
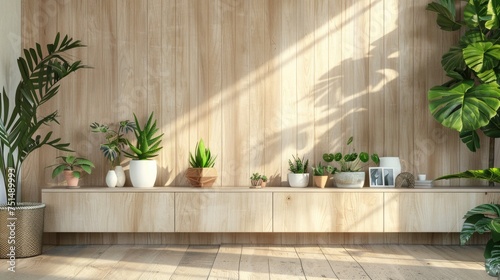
(300, 180)
(391, 162)
(349, 179)
(143, 173)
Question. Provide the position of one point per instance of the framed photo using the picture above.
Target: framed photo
(382, 177)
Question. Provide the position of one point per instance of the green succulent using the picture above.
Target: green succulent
(321, 170)
(298, 165)
(202, 157)
(148, 144)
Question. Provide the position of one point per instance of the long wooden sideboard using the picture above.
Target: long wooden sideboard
(267, 210)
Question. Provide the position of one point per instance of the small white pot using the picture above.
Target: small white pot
(349, 179)
(120, 175)
(300, 180)
(143, 173)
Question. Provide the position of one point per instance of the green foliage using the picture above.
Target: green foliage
(485, 218)
(470, 101)
(202, 156)
(490, 174)
(41, 74)
(115, 139)
(351, 161)
(298, 165)
(148, 144)
(75, 164)
(257, 177)
(321, 170)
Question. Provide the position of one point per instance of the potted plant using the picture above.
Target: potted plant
(143, 168)
(298, 176)
(112, 149)
(41, 74)
(202, 172)
(482, 219)
(350, 175)
(470, 101)
(258, 180)
(320, 174)
(72, 167)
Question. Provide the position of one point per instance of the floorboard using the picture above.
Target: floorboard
(149, 262)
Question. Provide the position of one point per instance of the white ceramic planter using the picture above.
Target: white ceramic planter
(143, 173)
(120, 175)
(298, 180)
(111, 179)
(349, 179)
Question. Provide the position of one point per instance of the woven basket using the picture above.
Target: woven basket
(28, 232)
(201, 177)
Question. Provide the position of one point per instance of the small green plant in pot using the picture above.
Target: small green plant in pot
(321, 174)
(143, 168)
(258, 180)
(298, 176)
(202, 172)
(349, 175)
(485, 218)
(72, 167)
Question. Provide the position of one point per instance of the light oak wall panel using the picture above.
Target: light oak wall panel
(259, 81)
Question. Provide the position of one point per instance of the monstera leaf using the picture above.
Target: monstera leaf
(446, 14)
(464, 107)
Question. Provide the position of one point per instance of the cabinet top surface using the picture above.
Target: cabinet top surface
(170, 189)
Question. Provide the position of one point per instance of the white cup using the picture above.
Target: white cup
(421, 177)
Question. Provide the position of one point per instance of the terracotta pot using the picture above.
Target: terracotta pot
(71, 181)
(320, 181)
(201, 177)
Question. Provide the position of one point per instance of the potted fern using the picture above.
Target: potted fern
(143, 168)
(41, 74)
(202, 172)
(350, 175)
(298, 176)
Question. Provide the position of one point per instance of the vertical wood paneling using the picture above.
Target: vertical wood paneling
(260, 81)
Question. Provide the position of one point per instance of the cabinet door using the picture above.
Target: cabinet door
(108, 212)
(223, 212)
(431, 212)
(328, 212)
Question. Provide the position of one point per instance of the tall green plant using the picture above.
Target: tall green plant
(41, 73)
(470, 101)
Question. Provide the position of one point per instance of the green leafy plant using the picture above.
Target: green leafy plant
(263, 178)
(202, 157)
(321, 170)
(482, 219)
(115, 139)
(490, 174)
(41, 73)
(148, 144)
(470, 101)
(256, 176)
(298, 165)
(75, 164)
(351, 161)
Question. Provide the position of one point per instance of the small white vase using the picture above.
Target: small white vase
(111, 179)
(120, 175)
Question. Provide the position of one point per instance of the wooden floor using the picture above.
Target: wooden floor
(251, 262)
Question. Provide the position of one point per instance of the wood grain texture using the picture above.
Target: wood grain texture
(260, 81)
(225, 212)
(308, 212)
(109, 212)
(438, 212)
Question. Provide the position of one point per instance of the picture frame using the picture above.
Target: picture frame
(382, 177)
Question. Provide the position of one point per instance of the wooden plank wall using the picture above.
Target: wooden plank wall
(258, 80)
